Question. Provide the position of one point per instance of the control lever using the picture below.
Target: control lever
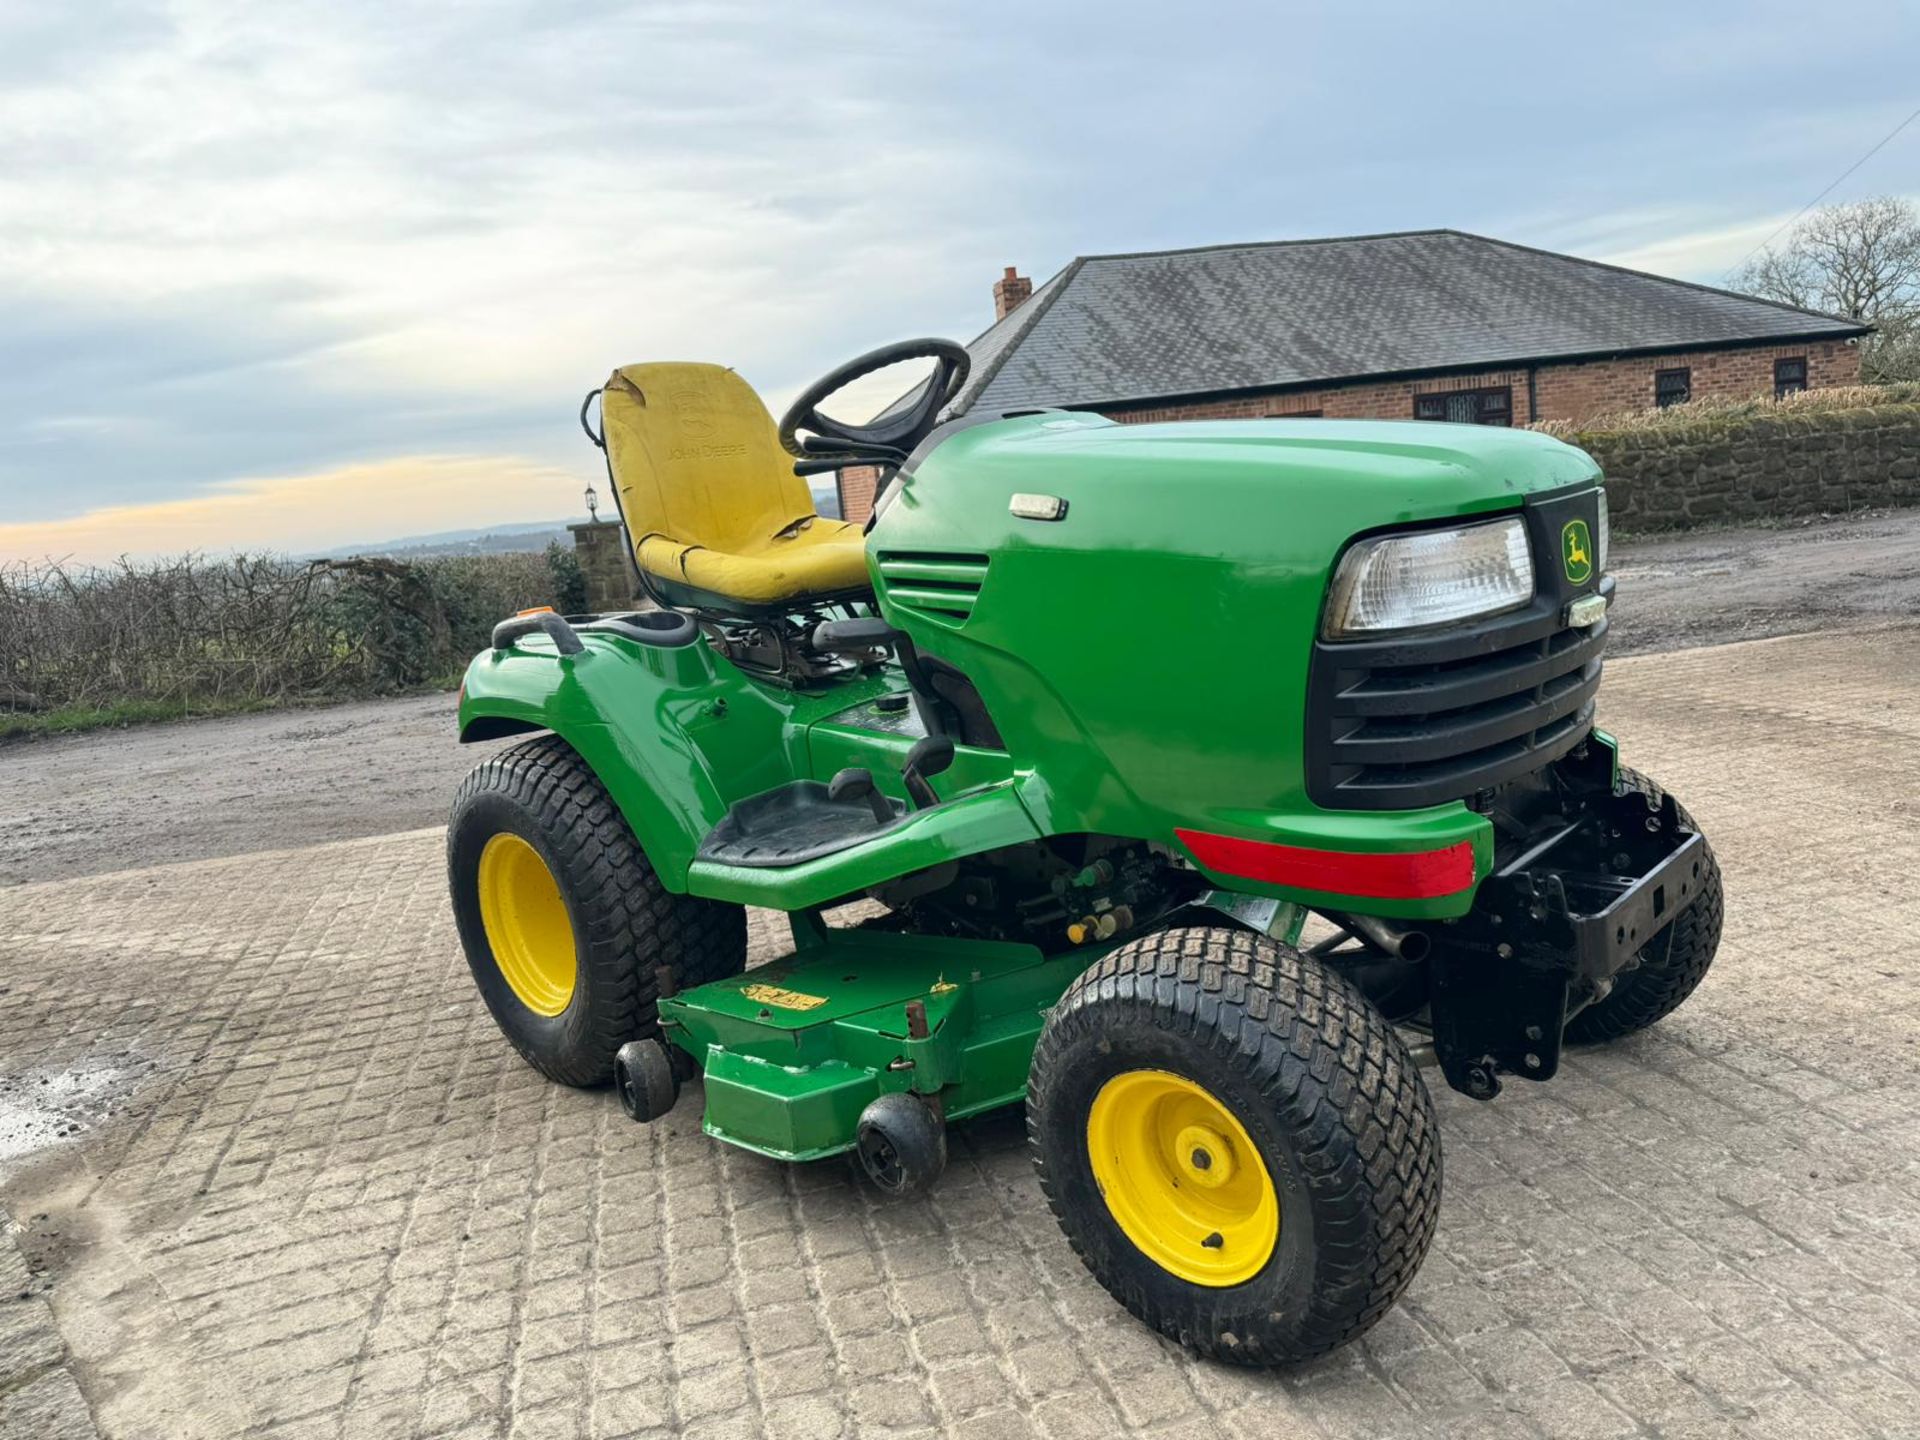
(929, 756)
(854, 783)
(870, 632)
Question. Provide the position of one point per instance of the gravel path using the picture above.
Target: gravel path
(87, 804)
(1724, 585)
(110, 800)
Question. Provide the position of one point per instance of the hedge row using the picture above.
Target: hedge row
(257, 629)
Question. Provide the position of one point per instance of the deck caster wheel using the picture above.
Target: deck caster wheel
(643, 1074)
(901, 1144)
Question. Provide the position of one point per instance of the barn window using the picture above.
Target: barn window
(1789, 376)
(1492, 406)
(1672, 387)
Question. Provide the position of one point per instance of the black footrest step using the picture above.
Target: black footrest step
(794, 824)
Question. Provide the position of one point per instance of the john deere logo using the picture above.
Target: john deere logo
(1576, 550)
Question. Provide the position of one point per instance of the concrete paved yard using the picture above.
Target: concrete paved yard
(306, 1190)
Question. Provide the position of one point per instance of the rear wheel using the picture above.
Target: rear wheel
(1236, 1143)
(566, 927)
(1672, 967)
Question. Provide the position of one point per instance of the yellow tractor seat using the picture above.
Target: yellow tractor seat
(716, 513)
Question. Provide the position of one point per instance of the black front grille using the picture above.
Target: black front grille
(1420, 720)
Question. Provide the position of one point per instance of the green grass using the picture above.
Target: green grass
(69, 719)
(72, 719)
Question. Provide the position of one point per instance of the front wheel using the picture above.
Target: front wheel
(1236, 1143)
(1670, 969)
(566, 927)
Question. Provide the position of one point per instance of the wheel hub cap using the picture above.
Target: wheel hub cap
(1204, 1156)
(1182, 1179)
(527, 926)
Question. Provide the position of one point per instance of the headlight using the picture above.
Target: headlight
(1600, 536)
(1431, 577)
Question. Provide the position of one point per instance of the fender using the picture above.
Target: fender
(647, 720)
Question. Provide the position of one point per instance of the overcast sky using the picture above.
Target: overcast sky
(300, 274)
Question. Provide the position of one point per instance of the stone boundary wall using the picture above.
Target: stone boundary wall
(1720, 469)
(601, 548)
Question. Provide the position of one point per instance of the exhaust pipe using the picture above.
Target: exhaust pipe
(1410, 945)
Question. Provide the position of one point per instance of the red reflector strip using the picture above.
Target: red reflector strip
(1414, 875)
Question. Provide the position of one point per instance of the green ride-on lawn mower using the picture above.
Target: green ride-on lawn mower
(1099, 714)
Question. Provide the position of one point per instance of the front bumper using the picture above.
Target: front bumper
(1567, 910)
(1590, 896)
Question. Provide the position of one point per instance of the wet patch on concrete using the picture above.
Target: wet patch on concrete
(42, 1110)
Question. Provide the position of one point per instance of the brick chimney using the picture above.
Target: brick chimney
(1010, 292)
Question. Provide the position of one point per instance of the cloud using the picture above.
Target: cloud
(104, 405)
(1708, 255)
(241, 241)
(329, 509)
(269, 241)
(1702, 243)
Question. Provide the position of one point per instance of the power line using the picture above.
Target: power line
(1828, 191)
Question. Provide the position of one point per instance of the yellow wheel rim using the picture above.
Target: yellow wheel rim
(1182, 1179)
(526, 924)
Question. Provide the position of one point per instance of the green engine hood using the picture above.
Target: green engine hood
(1146, 656)
(1424, 469)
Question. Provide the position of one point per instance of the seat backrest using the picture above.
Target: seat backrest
(697, 458)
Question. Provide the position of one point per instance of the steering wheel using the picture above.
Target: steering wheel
(892, 434)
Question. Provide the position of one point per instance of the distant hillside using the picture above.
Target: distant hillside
(517, 539)
(495, 540)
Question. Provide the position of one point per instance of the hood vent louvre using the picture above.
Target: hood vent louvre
(942, 583)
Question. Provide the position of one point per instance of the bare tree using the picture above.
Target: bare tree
(1860, 260)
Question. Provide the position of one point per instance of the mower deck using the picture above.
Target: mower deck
(795, 1050)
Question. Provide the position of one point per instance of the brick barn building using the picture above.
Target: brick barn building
(1425, 325)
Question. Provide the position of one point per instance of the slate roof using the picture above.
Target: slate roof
(1116, 328)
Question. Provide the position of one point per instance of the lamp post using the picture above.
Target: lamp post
(593, 504)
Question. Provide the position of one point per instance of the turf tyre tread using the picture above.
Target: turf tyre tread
(1335, 1084)
(634, 936)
